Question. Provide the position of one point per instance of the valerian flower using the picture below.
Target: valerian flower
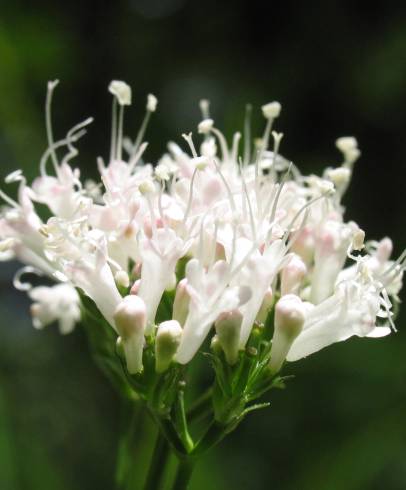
(212, 239)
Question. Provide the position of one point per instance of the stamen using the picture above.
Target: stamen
(189, 140)
(295, 237)
(223, 143)
(229, 193)
(119, 148)
(234, 149)
(305, 206)
(387, 305)
(243, 200)
(233, 245)
(144, 124)
(48, 120)
(113, 142)
(70, 139)
(25, 286)
(251, 214)
(247, 134)
(205, 108)
(281, 186)
(8, 200)
(135, 159)
(160, 209)
(277, 138)
(189, 203)
(397, 262)
(101, 165)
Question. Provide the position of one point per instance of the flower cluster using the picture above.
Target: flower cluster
(223, 239)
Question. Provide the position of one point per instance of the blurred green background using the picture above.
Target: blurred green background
(338, 68)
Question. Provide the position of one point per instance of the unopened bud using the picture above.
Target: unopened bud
(271, 110)
(215, 345)
(181, 302)
(265, 307)
(290, 314)
(292, 275)
(228, 329)
(205, 126)
(135, 287)
(122, 279)
(130, 319)
(121, 91)
(167, 341)
(304, 244)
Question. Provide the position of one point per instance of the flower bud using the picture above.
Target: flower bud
(135, 287)
(228, 329)
(215, 345)
(304, 244)
(121, 91)
(265, 307)
(130, 318)
(122, 279)
(271, 110)
(290, 314)
(167, 341)
(292, 275)
(181, 302)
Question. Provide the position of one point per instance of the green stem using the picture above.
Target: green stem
(158, 463)
(129, 460)
(181, 423)
(201, 408)
(183, 474)
(215, 433)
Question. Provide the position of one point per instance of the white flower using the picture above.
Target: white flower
(224, 231)
(55, 303)
(159, 255)
(290, 314)
(168, 338)
(353, 309)
(130, 320)
(210, 295)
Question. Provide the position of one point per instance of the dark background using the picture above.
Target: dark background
(338, 68)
